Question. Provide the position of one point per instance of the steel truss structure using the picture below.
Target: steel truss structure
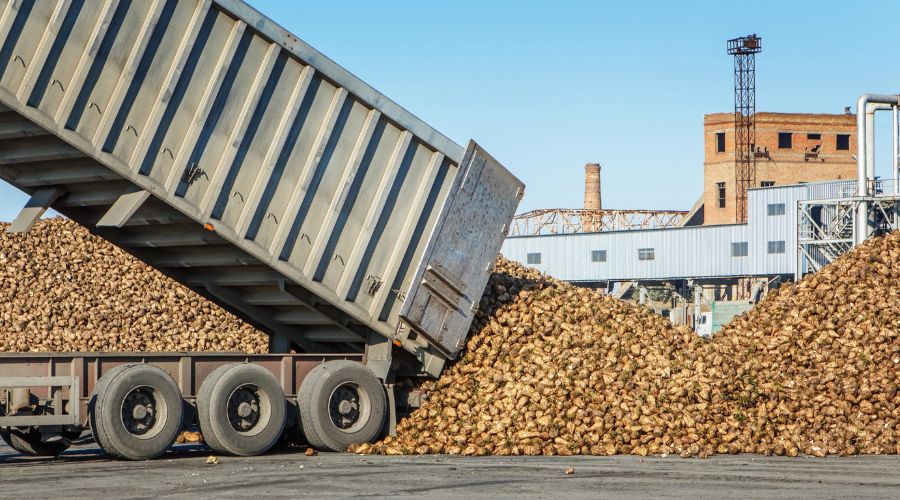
(825, 228)
(578, 220)
(744, 50)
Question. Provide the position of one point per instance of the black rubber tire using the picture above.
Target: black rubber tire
(315, 412)
(100, 386)
(213, 410)
(107, 423)
(27, 441)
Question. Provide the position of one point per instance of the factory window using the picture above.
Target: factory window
(720, 186)
(533, 258)
(767, 184)
(776, 247)
(843, 142)
(646, 254)
(784, 140)
(775, 209)
(720, 142)
(739, 249)
(814, 137)
(598, 256)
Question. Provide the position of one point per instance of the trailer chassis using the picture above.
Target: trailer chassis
(46, 398)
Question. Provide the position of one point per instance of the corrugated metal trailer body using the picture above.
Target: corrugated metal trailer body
(325, 204)
(685, 252)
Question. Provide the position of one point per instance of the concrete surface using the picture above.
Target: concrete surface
(83, 473)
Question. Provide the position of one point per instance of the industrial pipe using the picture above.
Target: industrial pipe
(871, 108)
(865, 159)
(895, 171)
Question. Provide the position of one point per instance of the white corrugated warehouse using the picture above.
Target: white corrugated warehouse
(764, 246)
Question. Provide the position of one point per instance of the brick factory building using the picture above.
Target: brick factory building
(790, 148)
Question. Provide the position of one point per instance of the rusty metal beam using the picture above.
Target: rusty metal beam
(578, 220)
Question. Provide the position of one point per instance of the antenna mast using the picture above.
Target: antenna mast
(744, 50)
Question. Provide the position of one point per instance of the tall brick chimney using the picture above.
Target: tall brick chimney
(592, 186)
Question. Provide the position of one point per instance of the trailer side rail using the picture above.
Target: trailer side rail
(55, 377)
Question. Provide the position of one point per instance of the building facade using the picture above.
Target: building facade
(790, 148)
(765, 246)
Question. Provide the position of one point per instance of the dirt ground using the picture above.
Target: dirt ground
(82, 472)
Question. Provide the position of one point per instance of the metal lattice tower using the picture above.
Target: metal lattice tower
(744, 50)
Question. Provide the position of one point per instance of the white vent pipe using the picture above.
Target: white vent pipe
(865, 157)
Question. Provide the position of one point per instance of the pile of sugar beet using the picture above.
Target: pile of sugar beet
(64, 289)
(549, 368)
(553, 369)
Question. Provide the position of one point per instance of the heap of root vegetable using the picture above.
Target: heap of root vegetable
(554, 369)
(64, 289)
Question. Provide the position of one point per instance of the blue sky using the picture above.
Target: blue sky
(546, 86)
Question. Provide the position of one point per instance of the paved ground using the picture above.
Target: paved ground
(83, 473)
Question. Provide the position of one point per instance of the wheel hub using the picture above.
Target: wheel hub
(347, 407)
(344, 406)
(139, 411)
(244, 409)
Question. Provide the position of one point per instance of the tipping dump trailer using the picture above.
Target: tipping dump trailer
(217, 147)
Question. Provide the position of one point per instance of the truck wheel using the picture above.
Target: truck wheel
(27, 441)
(341, 403)
(136, 412)
(241, 409)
